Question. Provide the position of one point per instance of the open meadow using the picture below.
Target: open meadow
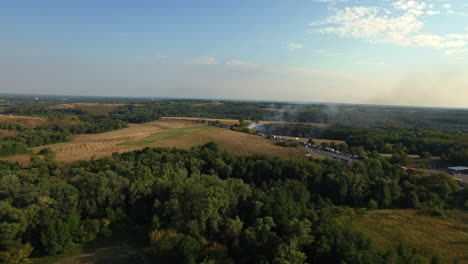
(162, 133)
(447, 236)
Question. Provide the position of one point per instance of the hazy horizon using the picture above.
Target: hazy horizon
(389, 52)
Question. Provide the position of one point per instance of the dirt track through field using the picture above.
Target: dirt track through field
(107, 255)
(84, 147)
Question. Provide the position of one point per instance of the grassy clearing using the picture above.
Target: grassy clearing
(447, 236)
(163, 135)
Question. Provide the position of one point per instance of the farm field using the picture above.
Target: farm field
(448, 236)
(162, 133)
(168, 134)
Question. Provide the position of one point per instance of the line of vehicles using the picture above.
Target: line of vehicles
(337, 155)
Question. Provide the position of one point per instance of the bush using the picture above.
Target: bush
(372, 205)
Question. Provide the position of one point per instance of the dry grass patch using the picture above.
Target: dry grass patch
(447, 236)
(320, 141)
(6, 133)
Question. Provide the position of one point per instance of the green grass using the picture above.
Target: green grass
(446, 236)
(168, 134)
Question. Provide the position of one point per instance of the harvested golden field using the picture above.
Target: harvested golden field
(6, 133)
(447, 236)
(209, 103)
(93, 108)
(29, 121)
(237, 142)
(162, 133)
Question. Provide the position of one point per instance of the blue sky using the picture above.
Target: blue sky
(382, 51)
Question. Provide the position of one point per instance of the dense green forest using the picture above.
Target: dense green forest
(207, 205)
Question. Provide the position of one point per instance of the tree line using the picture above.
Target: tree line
(206, 205)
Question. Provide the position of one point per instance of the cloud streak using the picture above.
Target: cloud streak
(294, 46)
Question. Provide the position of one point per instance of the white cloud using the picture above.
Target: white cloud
(432, 12)
(242, 64)
(378, 25)
(411, 7)
(447, 6)
(466, 28)
(294, 46)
